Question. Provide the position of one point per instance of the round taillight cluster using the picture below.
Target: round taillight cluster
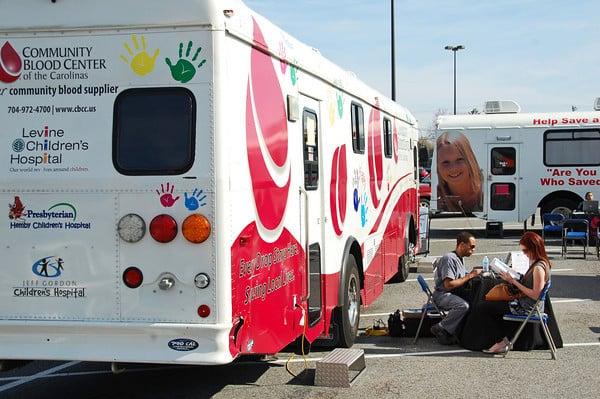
(133, 277)
(163, 228)
(131, 228)
(196, 228)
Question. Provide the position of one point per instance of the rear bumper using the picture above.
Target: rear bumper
(114, 342)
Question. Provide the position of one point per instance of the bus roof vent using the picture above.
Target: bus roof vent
(597, 104)
(501, 107)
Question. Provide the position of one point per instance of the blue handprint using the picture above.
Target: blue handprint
(363, 210)
(194, 201)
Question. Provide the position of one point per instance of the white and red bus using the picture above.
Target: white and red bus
(526, 160)
(188, 184)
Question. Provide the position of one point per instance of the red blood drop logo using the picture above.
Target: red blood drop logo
(337, 190)
(375, 156)
(266, 138)
(10, 64)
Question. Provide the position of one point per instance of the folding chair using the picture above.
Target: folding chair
(534, 316)
(552, 223)
(575, 230)
(429, 305)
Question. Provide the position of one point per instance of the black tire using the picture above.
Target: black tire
(403, 271)
(348, 315)
(559, 205)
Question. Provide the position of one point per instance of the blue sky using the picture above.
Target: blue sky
(543, 54)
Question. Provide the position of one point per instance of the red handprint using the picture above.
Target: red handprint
(166, 196)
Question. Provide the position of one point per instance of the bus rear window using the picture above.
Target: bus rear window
(154, 131)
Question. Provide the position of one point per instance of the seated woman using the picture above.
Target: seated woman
(488, 314)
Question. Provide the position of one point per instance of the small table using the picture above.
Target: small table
(472, 335)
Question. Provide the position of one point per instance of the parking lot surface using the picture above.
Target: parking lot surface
(395, 366)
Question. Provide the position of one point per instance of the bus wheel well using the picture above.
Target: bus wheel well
(355, 251)
(352, 248)
(412, 232)
(567, 198)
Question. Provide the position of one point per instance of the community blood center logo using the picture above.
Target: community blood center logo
(11, 64)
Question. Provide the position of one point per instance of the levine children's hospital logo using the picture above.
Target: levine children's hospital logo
(51, 285)
(59, 216)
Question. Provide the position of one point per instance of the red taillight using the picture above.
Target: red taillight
(163, 228)
(133, 277)
(203, 311)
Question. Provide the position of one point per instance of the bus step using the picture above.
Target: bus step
(340, 368)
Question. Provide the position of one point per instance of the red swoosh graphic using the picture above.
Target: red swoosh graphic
(385, 203)
(375, 156)
(332, 192)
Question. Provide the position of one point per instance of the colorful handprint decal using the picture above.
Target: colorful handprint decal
(340, 103)
(166, 195)
(141, 63)
(184, 70)
(195, 200)
(363, 209)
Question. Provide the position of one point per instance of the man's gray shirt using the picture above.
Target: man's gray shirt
(449, 266)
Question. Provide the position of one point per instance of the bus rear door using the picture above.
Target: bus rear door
(503, 179)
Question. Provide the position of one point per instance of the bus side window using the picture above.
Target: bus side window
(311, 150)
(504, 161)
(154, 131)
(358, 128)
(387, 137)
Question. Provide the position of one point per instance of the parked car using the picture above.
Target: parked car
(425, 191)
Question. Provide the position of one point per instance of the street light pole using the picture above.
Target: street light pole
(454, 49)
(393, 23)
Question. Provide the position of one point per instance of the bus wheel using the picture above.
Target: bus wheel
(349, 312)
(402, 273)
(563, 206)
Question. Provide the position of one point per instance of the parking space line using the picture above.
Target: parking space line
(41, 374)
(569, 300)
(554, 301)
(429, 353)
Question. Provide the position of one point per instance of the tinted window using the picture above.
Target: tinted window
(503, 196)
(572, 147)
(504, 161)
(358, 129)
(311, 150)
(154, 131)
(387, 137)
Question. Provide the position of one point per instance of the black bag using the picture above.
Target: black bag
(396, 325)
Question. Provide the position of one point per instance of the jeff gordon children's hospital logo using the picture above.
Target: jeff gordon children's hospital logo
(59, 216)
(49, 269)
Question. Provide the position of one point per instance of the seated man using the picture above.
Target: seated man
(451, 274)
(589, 196)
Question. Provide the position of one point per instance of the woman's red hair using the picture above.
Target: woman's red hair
(535, 246)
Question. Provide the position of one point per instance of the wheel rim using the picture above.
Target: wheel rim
(353, 301)
(563, 210)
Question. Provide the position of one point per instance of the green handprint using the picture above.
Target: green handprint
(183, 71)
(340, 104)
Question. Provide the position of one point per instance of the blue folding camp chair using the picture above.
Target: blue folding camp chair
(552, 223)
(535, 315)
(429, 305)
(575, 230)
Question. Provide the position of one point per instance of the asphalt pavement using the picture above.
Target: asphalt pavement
(395, 366)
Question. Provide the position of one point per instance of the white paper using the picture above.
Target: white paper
(500, 267)
(519, 262)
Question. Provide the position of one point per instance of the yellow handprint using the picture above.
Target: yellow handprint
(141, 64)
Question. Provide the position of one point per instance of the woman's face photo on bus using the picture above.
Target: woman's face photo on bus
(452, 166)
(460, 178)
